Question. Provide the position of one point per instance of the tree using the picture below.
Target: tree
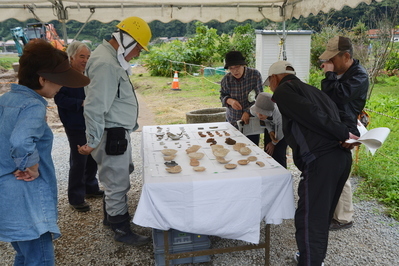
(382, 46)
(203, 45)
(244, 41)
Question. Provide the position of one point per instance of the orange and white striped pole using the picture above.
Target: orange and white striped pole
(175, 83)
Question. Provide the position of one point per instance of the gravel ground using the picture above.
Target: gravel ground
(373, 240)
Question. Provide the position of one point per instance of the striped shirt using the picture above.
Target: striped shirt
(239, 89)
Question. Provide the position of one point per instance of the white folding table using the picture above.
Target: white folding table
(229, 203)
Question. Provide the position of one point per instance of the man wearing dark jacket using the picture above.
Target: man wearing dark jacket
(316, 131)
(346, 83)
(82, 181)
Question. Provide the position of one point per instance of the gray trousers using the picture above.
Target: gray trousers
(114, 174)
(344, 210)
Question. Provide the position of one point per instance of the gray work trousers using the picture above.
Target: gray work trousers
(114, 174)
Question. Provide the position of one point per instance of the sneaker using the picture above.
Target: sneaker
(98, 194)
(335, 225)
(83, 207)
(296, 258)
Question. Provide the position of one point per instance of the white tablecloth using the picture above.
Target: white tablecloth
(225, 203)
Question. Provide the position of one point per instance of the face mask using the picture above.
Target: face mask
(126, 45)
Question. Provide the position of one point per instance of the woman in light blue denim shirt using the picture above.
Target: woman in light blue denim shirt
(28, 187)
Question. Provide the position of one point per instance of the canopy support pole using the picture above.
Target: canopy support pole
(282, 13)
(62, 15)
(283, 40)
(92, 10)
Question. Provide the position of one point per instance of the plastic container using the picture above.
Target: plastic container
(160, 259)
(179, 242)
(221, 71)
(209, 71)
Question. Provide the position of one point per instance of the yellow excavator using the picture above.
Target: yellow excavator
(37, 30)
(32, 31)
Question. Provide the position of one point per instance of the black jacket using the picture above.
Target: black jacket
(349, 92)
(70, 109)
(311, 120)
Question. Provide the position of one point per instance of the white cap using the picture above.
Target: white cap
(280, 67)
(263, 105)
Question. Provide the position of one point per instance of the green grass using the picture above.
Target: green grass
(6, 60)
(169, 106)
(381, 172)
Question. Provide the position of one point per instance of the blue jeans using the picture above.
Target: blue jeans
(35, 252)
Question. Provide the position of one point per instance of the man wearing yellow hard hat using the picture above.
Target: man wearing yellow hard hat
(111, 111)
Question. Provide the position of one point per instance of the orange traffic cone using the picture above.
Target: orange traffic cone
(175, 83)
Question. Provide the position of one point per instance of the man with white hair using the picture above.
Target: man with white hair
(111, 112)
(82, 181)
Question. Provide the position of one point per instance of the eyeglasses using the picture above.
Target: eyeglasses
(234, 68)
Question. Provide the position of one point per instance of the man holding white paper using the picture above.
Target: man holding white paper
(316, 131)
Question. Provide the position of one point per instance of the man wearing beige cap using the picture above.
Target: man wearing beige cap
(346, 83)
(316, 131)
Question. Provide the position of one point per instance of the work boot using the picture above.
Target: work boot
(97, 194)
(120, 224)
(83, 207)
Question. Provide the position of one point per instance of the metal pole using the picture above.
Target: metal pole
(284, 38)
(64, 32)
(62, 15)
(92, 10)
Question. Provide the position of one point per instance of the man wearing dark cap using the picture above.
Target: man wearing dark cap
(239, 89)
(346, 82)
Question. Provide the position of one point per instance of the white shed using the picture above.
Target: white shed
(269, 49)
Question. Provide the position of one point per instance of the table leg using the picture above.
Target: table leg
(166, 247)
(267, 247)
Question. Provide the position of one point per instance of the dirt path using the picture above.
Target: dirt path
(146, 116)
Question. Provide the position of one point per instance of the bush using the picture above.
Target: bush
(392, 62)
(158, 61)
(315, 76)
(206, 48)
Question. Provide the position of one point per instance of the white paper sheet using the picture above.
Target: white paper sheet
(373, 139)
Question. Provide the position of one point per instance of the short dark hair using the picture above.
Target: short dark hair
(38, 55)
